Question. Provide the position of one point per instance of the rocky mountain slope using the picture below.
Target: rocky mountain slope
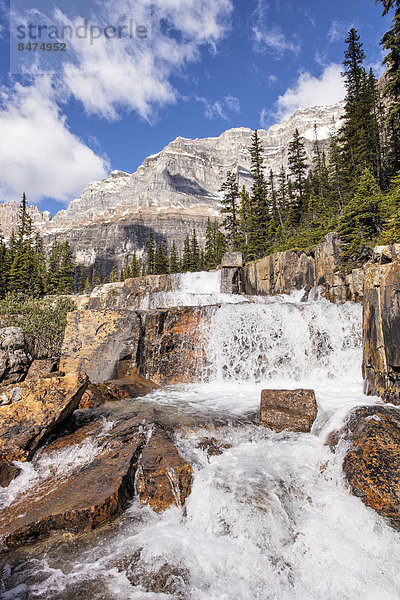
(173, 191)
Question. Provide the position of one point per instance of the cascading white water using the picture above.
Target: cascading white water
(269, 519)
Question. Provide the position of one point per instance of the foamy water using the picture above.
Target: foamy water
(271, 518)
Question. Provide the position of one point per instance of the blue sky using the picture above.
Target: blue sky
(205, 66)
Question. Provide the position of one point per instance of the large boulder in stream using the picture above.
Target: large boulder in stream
(31, 411)
(14, 355)
(372, 462)
(91, 474)
(164, 477)
(293, 410)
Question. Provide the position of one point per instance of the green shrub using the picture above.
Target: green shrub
(42, 320)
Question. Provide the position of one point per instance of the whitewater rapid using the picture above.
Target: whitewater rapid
(269, 519)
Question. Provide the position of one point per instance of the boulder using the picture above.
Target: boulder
(212, 446)
(164, 476)
(89, 496)
(130, 387)
(31, 411)
(93, 397)
(381, 331)
(293, 410)
(96, 340)
(8, 471)
(372, 463)
(40, 369)
(14, 356)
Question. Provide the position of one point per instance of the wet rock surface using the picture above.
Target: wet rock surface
(32, 410)
(293, 410)
(212, 446)
(163, 579)
(14, 356)
(372, 464)
(91, 495)
(164, 476)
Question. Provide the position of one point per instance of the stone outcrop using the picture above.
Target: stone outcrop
(96, 340)
(86, 499)
(129, 452)
(42, 368)
(164, 476)
(372, 463)
(381, 330)
(165, 346)
(231, 273)
(14, 356)
(31, 411)
(293, 410)
(285, 272)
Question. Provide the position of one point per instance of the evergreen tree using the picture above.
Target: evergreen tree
(67, 270)
(259, 215)
(88, 286)
(297, 159)
(361, 221)
(194, 253)
(173, 259)
(215, 246)
(151, 248)
(161, 265)
(186, 258)
(135, 266)
(391, 43)
(230, 208)
(81, 280)
(114, 274)
(391, 233)
(95, 278)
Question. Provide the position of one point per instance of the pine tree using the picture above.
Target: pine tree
(88, 286)
(151, 248)
(95, 278)
(186, 258)
(230, 209)
(194, 253)
(361, 221)
(161, 265)
(259, 215)
(67, 270)
(391, 233)
(391, 43)
(173, 259)
(135, 266)
(114, 274)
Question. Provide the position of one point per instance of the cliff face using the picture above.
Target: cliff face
(171, 193)
(381, 328)
(284, 272)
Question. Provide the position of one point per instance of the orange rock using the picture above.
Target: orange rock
(164, 476)
(88, 497)
(372, 465)
(294, 410)
(34, 409)
(40, 369)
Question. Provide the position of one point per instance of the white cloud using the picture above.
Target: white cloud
(272, 39)
(39, 155)
(338, 31)
(110, 75)
(269, 38)
(220, 108)
(311, 91)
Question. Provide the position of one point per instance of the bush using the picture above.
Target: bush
(42, 320)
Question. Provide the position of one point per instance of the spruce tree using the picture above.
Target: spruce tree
(186, 258)
(135, 266)
(194, 253)
(151, 248)
(161, 265)
(173, 259)
(96, 280)
(230, 202)
(361, 222)
(259, 215)
(114, 274)
(67, 270)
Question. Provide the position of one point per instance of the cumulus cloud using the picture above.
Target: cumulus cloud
(311, 91)
(108, 76)
(39, 154)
